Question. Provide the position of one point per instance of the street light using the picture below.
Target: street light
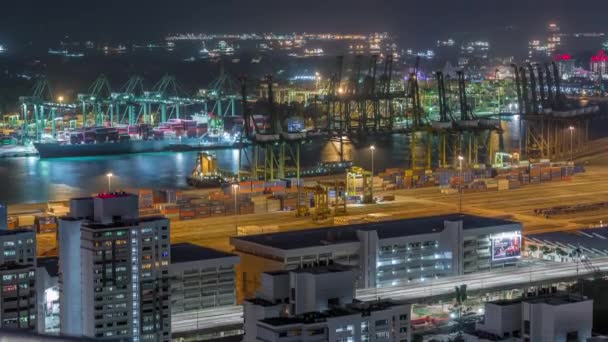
(571, 128)
(60, 99)
(235, 190)
(109, 175)
(372, 148)
(460, 181)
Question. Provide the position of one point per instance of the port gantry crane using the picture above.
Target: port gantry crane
(44, 110)
(222, 95)
(362, 105)
(169, 98)
(548, 122)
(126, 100)
(99, 101)
(274, 152)
(100, 106)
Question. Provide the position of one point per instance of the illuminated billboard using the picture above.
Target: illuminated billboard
(506, 246)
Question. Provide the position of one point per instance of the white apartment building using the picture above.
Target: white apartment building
(114, 270)
(317, 304)
(18, 279)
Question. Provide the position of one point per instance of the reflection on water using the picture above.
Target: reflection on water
(33, 180)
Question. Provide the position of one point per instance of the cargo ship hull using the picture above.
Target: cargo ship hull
(56, 150)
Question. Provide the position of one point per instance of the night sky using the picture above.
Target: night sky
(416, 22)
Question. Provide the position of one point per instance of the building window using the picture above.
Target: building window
(9, 288)
(382, 323)
(403, 317)
(527, 327)
(383, 335)
(572, 336)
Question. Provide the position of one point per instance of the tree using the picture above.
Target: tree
(532, 248)
(461, 294)
(546, 250)
(560, 252)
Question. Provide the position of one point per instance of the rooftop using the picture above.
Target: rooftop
(123, 223)
(4, 232)
(362, 308)
(12, 266)
(115, 195)
(51, 264)
(385, 229)
(261, 301)
(592, 241)
(332, 268)
(551, 299)
(187, 252)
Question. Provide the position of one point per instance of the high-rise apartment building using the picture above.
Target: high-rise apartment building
(18, 279)
(114, 270)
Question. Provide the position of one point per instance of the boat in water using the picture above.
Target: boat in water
(206, 174)
(174, 135)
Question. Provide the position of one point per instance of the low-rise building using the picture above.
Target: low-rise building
(317, 304)
(203, 291)
(556, 317)
(386, 253)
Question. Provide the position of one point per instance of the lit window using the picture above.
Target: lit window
(9, 288)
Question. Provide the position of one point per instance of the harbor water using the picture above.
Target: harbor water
(32, 180)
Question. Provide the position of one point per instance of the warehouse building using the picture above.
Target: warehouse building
(386, 253)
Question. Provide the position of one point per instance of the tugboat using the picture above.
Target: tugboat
(206, 174)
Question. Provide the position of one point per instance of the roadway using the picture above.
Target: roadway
(207, 319)
(418, 292)
(513, 278)
(518, 204)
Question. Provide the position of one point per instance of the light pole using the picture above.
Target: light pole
(109, 175)
(460, 181)
(372, 148)
(235, 190)
(571, 128)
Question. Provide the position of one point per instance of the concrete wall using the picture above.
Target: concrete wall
(69, 277)
(126, 207)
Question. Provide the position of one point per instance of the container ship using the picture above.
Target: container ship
(173, 135)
